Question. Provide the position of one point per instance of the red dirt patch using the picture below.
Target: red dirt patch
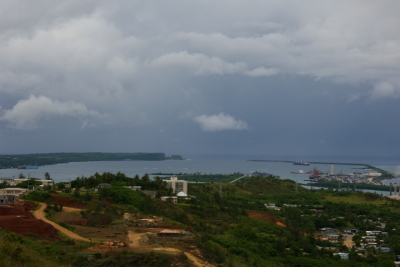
(68, 202)
(18, 219)
(264, 217)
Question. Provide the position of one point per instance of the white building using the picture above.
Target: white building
(44, 182)
(343, 256)
(177, 185)
(168, 198)
(13, 191)
(6, 180)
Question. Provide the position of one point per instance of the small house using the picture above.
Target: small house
(134, 187)
(150, 193)
(343, 256)
(168, 198)
(369, 239)
(351, 230)
(333, 238)
(103, 185)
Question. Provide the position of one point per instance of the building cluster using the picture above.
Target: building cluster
(368, 240)
(353, 178)
(374, 239)
(11, 193)
(14, 182)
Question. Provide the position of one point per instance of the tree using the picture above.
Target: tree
(357, 239)
(47, 176)
(60, 186)
(77, 192)
(28, 184)
(3, 184)
(21, 176)
(145, 178)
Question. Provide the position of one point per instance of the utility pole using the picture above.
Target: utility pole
(220, 189)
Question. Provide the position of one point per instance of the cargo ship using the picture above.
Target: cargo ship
(301, 163)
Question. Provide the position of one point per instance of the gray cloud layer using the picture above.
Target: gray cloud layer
(295, 73)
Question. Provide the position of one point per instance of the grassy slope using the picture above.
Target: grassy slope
(17, 252)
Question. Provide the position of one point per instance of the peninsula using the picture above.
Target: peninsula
(13, 161)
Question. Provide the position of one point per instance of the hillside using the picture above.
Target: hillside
(263, 221)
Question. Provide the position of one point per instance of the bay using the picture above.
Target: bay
(70, 171)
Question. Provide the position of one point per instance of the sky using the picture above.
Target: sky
(276, 78)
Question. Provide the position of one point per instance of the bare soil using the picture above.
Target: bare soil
(101, 233)
(40, 214)
(112, 239)
(67, 202)
(264, 216)
(17, 218)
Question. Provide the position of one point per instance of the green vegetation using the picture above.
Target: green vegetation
(151, 259)
(29, 184)
(225, 233)
(16, 251)
(336, 185)
(39, 196)
(13, 161)
(37, 252)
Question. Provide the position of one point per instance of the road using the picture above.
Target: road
(41, 215)
(237, 179)
(134, 237)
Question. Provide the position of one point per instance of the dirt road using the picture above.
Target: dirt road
(41, 215)
(348, 241)
(135, 237)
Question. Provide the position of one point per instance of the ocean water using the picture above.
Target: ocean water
(70, 171)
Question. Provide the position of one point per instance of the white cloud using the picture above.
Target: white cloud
(220, 122)
(198, 63)
(353, 97)
(262, 72)
(85, 57)
(385, 89)
(26, 113)
(202, 64)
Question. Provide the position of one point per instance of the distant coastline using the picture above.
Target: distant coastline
(13, 161)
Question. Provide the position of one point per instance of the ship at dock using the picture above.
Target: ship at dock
(28, 167)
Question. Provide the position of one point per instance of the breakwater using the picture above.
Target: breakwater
(312, 162)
